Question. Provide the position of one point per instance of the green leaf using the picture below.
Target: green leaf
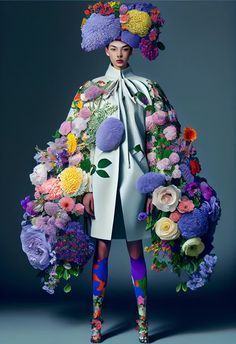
(74, 272)
(56, 135)
(85, 165)
(59, 271)
(178, 287)
(67, 288)
(184, 287)
(102, 173)
(93, 169)
(66, 275)
(104, 163)
(160, 45)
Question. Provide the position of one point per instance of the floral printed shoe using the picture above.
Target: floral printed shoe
(96, 325)
(142, 327)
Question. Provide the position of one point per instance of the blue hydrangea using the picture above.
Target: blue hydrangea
(194, 224)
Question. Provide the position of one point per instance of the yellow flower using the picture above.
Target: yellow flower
(113, 3)
(71, 179)
(83, 22)
(193, 247)
(139, 23)
(72, 144)
(166, 229)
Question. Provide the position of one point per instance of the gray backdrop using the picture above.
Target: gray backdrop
(42, 66)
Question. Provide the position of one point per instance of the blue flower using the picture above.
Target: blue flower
(194, 224)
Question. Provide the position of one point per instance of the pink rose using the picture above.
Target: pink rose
(159, 117)
(174, 158)
(151, 158)
(84, 113)
(175, 216)
(163, 164)
(150, 126)
(170, 132)
(65, 128)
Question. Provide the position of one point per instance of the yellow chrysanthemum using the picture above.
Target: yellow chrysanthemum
(72, 144)
(71, 179)
(139, 23)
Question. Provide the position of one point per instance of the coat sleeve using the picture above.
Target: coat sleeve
(160, 114)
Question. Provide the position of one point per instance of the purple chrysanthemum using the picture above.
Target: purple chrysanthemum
(110, 134)
(99, 31)
(194, 224)
(150, 181)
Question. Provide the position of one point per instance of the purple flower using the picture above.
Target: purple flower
(191, 188)
(206, 190)
(194, 224)
(35, 245)
(148, 50)
(186, 173)
(142, 216)
(110, 134)
(24, 202)
(99, 31)
(149, 181)
(196, 281)
(30, 208)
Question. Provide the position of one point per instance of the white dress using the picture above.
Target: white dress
(117, 195)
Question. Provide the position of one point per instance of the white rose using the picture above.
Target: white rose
(193, 247)
(39, 174)
(166, 229)
(166, 198)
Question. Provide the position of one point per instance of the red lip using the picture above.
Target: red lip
(119, 60)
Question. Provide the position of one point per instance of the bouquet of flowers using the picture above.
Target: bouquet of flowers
(186, 208)
(53, 234)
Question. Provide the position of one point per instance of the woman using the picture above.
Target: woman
(119, 54)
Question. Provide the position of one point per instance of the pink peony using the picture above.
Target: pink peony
(67, 203)
(159, 117)
(174, 158)
(163, 164)
(84, 113)
(79, 208)
(51, 208)
(170, 132)
(65, 128)
(177, 172)
(185, 206)
(175, 216)
(75, 159)
(151, 158)
(150, 126)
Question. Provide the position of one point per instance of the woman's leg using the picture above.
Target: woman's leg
(139, 280)
(99, 281)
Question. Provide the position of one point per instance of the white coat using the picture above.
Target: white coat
(127, 165)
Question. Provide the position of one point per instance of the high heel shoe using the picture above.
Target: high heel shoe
(142, 327)
(96, 326)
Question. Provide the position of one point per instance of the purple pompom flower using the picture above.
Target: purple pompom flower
(110, 134)
(149, 182)
(142, 216)
(194, 224)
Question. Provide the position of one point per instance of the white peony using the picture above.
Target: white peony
(166, 198)
(39, 174)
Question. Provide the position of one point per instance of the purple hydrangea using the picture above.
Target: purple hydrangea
(99, 31)
(186, 173)
(150, 181)
(202, 276)
(110, 134)
(194, 224)
(148, 49)
(36, 246)
(140, 6)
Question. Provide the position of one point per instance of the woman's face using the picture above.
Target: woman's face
(119, 53)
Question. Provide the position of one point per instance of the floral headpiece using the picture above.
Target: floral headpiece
(137, 24)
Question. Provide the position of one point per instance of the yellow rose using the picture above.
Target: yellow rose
(167, 229)
(193, 247)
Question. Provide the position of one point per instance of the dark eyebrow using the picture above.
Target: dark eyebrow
(122, 46)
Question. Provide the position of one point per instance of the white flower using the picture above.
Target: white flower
(193, 247)
(39, 174)
(78, 125)
(166, 198)
(166, 229)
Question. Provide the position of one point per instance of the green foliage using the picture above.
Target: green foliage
(102, 173)
(85, 164)
(67, 288)
(104, 163)
(57, 135)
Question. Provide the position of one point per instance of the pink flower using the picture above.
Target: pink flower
(185, 206)
(79, 208)
(150, 126)
(153, 35)
(65, 128)
(177, 172)
(174, 158)
(92, 92)
(123, 9)
(159, 117)
(175, 216)
(140, 300)
(51, 208)
(124, 18)
(84, 113)
(75, 159)
(163, 164)
(170, 132)
(67, 203)
(151, 158)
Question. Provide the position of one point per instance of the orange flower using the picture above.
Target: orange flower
(190, 134)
